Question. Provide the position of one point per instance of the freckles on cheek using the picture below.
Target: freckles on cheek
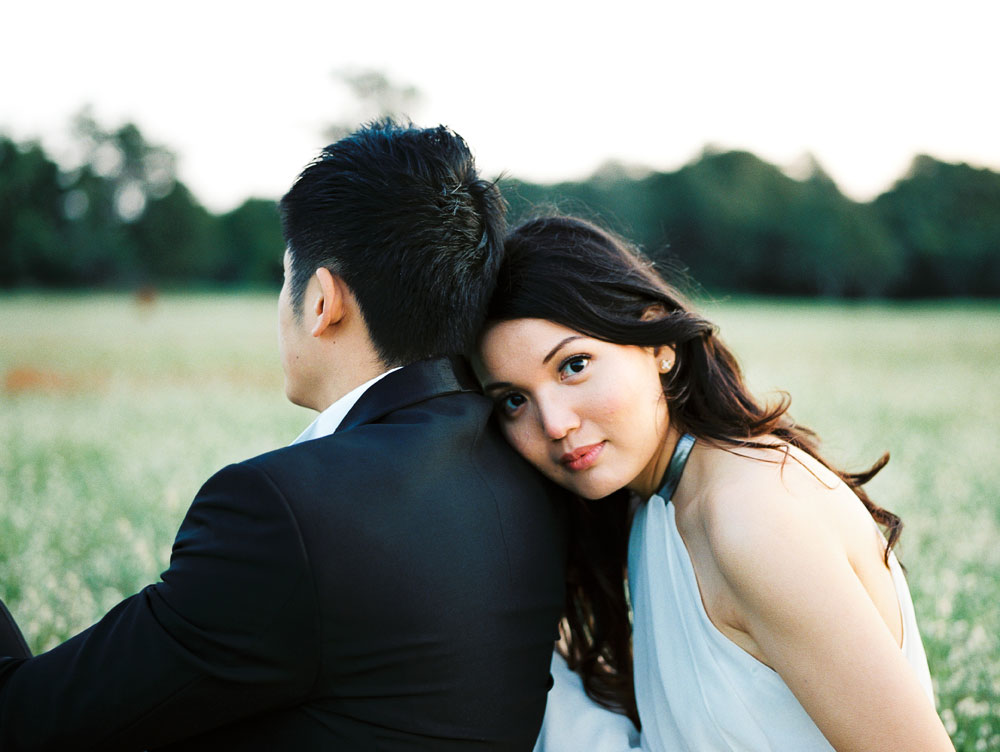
(613, 404)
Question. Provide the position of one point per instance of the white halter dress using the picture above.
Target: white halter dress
(695, 689)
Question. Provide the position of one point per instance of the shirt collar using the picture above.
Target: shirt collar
(328, 420)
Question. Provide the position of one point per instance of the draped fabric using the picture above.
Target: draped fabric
(696, 689)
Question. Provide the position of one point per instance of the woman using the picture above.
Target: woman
(769, 610)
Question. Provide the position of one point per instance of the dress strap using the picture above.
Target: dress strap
(676, 467)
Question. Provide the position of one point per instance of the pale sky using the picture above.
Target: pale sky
(545, 91)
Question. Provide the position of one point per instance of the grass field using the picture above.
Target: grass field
(112, 413)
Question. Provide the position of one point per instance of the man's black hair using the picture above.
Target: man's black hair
(402, 216)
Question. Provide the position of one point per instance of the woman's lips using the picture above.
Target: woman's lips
(582, 457)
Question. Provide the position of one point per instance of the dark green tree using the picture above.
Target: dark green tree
(736, 223)
(946, 219)
(845, 249)
(32, 219)
(176, 240)
(136, 170)
(138, 223)
(252, 244)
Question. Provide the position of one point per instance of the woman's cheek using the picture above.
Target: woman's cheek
(610, 404)
(520, 438)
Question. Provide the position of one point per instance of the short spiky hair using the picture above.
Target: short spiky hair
(400, 214)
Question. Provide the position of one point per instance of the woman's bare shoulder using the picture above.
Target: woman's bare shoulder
(757, 499)
(766, 514)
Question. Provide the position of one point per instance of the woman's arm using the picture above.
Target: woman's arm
(794, 591)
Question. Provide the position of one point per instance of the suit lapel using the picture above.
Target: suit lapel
(409, 385)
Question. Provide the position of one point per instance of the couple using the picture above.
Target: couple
(394, 579)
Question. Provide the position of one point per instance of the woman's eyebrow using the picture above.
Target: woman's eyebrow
(505, 384)
(556, 349)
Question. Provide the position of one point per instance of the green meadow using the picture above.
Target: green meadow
(114, 411)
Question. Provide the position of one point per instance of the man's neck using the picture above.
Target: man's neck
(344, 381)
(330, 418)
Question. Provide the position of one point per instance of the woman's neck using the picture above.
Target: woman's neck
(651, 478)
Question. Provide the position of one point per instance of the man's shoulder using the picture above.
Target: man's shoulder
(438, 435)
(407, 467)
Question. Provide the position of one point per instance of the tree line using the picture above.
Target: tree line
(736, 223)
(122, 219)
(739, 224)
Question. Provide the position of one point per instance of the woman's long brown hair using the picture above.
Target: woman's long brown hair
(573, 273)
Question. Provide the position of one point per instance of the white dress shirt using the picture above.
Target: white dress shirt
(328, 420)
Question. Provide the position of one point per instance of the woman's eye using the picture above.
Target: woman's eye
(574, 365)
(509, 403)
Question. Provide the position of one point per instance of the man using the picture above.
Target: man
(390, 581)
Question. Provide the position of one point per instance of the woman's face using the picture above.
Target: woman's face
(589, 414)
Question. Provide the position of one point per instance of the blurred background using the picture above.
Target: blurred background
(825, 178)
(841, 151)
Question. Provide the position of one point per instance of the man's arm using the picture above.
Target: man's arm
(230, 631)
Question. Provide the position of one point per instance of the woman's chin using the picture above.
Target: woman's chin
(589, 488)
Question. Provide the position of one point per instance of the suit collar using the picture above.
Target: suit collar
(407, 386)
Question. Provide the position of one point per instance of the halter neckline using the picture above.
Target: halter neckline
(676, 466)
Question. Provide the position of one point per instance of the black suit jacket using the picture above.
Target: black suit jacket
(393, 586)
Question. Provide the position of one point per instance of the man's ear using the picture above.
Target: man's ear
(330, 303)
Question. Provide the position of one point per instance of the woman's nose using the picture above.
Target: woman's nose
(558, 419)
